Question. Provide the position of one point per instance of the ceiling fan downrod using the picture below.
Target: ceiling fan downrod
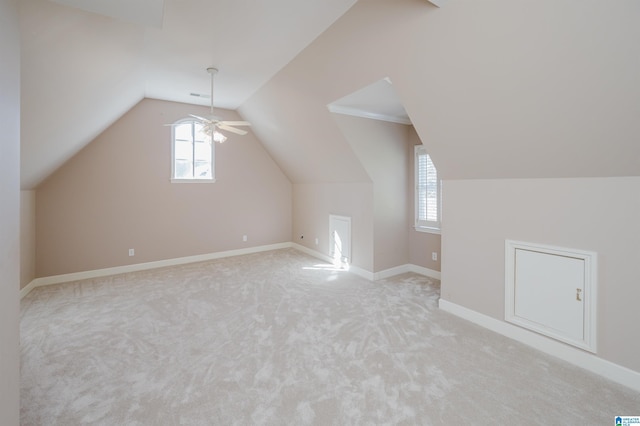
(212, 72)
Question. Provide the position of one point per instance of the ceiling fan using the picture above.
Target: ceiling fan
(212, 123)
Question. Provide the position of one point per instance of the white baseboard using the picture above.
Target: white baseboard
(351, 268)
(312, 252)
(391, 272)
(373, 276)
(577, 357)
(409, 267)
(432, 273)
(27, 289)
(367, 275)
(75, 276)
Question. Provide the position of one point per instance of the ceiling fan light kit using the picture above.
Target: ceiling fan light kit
(211, 124)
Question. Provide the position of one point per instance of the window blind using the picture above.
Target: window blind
(427, 191)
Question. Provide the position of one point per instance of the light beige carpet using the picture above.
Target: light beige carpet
(278, 338)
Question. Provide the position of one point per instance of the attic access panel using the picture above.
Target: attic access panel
(552, 291)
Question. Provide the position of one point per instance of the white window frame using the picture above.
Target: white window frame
(193, 122)
(422, 224)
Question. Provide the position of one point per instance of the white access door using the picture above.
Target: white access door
(340, 239)
(550, 291)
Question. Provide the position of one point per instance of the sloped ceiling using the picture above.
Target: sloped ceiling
(85, 63)
(141, 12)
(499, 89)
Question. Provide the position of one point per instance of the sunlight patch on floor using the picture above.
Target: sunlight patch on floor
(327, 267)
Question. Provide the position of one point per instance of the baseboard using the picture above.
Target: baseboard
(312, 252)
(75, 276)
(350, 268)
(367, 275)
(432, 273)
(402, 269)
(371, 276)
(577, 357)
(391, 272)
(27, 289)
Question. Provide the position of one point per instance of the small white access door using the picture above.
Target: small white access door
(340, 239)
(551, 290)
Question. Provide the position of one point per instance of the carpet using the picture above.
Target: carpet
(280, 338)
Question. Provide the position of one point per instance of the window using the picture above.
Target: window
(192, 153)
(427, 192)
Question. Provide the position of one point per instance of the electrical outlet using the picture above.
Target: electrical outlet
(317, 241)
(434, 256)
(132, 252)
(244, 238)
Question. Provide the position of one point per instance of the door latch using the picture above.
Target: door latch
(578, 292)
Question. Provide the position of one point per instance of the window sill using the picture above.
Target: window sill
(193, 180)
(427, 229)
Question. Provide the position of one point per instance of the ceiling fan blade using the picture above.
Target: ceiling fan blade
(235, 123)
(231, 129)
(213, 122)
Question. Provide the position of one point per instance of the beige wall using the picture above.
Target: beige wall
(116, 194)
(312, 205)
(596, 214)
(385, 151)
(27, 237)
(381, 148)
(9, 214)
(421, 246)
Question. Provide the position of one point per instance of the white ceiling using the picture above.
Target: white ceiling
(142, 12)
(86, 62)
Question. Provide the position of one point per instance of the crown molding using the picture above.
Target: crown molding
(438, 3)
(356, 112)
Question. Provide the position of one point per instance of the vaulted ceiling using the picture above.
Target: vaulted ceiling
(85, 63)
(496, 89)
